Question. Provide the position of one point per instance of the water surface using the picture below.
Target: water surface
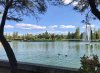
(59, 53)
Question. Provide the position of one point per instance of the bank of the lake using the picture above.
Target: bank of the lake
(47, 40)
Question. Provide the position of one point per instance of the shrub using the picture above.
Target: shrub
(89, 64)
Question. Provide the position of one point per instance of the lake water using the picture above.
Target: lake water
(52, 53)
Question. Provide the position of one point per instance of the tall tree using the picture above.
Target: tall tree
(99, 33)
(13, 10)
(69, 35)
(77, 33)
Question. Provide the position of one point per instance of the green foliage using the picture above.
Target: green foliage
(89, 65)
(77, 33)
(18, 8)
(69, 35)
(89, 7)
(95, 35)
(52, 36)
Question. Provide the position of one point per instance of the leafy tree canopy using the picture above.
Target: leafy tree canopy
(89, 7)
(17, 8)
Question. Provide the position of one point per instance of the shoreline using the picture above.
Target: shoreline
(53, 40)
(24, 67)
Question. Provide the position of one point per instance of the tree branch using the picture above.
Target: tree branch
(14, 19)
(94, 10)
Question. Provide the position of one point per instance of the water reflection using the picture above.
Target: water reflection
(46, 46)
(14, 44)
(66, 54)
(77, 47)
(90, 49)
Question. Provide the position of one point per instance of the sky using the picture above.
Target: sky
(59, 20)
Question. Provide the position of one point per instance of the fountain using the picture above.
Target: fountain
(87, 34)
(87, 39)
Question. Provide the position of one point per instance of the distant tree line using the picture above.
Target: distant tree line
(77, 35)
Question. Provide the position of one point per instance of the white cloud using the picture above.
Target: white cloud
(88, 26)
(53, 26)
(9, 26)
(67, 26)
(74, 3)
(30, 26)
(67, 1)
(93, 26)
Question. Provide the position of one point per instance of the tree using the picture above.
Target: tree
(77, 33)
(46, 35)
(81, 35)
(13, 10)
(52, 36)
(99, 33)
(94, 36)
(69, 35)
(93, 4)
(88, 6)
(97, 36)
(91, 35)
(89, 65)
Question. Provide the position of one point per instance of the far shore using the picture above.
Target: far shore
(70, 40)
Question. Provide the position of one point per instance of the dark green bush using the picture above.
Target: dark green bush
(90, 65)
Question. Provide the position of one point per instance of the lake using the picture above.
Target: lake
(58, 53)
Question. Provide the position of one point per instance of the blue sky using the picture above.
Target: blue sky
(59, 20)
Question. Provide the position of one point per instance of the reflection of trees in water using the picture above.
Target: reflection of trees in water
(90, 49)
(28, 45)
(15, 44)
(46, 49)
(77, 46)
(68, 48)
(52, 45)
(49, 46)
(69, 45)
(74, 46)
(46, 46)
(98, 46)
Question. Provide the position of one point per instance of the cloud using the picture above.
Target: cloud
(88, 26)
(67, 26)
(53, 26)
(30, 26)
(9, 26)
(74, 3)
(67, 1)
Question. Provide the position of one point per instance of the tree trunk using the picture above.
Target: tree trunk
(6, 45)
(10, 54)
(94, 9)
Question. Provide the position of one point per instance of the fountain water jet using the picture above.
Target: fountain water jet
(87, 39)
(87, 34)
